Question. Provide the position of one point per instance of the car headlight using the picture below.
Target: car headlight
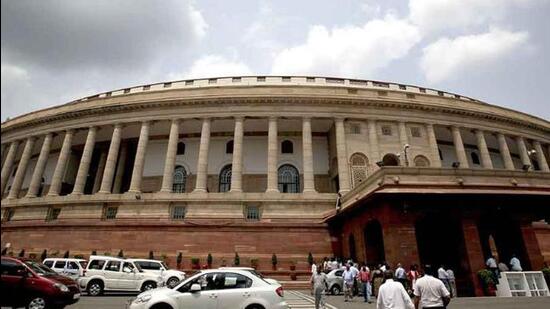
(142, 298)
(61, 287)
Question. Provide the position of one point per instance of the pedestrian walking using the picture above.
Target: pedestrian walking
(355, 271)
(430, 292)
(452, 282)
(401, 275)
(348, 276)
(376, 278)
(515, 264)
(442, 275)
(392, 294)
(364, 278)
(413, 275)
(318, 285)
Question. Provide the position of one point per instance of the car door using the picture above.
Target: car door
(233, 290)
(206, 298)
(59, 267)
(112, 274)
(11, 283)
(129, 280)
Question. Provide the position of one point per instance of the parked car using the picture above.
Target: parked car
(171, 277)
(335, 281)
(105, 273)
(72, 268)
(254, 272)
(33, 285)
(215, 288)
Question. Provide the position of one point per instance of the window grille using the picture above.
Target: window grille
(253, 213)
(289, 179)
(180, 178)
(178, 212)
(225, 179)
(110, 212)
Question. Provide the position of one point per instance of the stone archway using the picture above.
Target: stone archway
(374, 243)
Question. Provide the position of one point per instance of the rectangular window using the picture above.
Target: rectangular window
(112, 266)
(357, 82)
(108, 94)
(310, 79)
(253, 213)
(386, 130)
(334, 80)
(260, 79)
(188, 83)
(402, 87)
(355, 128)
(236, 79)
(96, 264)
(52, 214)
(167, 85)
(286, 78)
(109, 213)
(59, 264)
(415, 132)
(440, 93)
(178, 212)
(146, 87)
(422, 90)
(380, 84)
(213, 81)
(127, 90)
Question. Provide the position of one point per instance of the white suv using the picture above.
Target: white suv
(171, 277)
(215, 288)
(72, 268)
(105, 273)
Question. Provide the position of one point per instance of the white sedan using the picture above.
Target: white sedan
(215, 289)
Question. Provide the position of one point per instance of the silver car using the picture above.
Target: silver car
(335, 281)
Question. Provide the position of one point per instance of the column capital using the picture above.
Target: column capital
(272, 118)
(239, 118)
(339, 118)
(306, 118)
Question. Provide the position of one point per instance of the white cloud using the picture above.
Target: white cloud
(447, 57)
(216, 65)
(437, 15)
(350, 50)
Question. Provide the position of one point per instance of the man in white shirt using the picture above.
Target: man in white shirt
(491, 263)
(392, 295)
(452, 282)
(349, 276)
(401, 275)
(313, 269)
(515, 264)
(443, 276)
(430, 292)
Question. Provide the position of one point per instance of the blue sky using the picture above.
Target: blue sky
(54, 51)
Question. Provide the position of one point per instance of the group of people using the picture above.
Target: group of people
(392, 289)
(496, 267)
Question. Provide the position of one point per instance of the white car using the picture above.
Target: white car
(105, 273)
(254, 272)
(72, 268)
(215, 289)
(171, 277)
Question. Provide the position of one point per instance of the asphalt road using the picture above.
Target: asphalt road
(302, 299)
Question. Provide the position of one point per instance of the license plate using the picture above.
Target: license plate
(76, 296)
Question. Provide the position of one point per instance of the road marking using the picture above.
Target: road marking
(300, 300)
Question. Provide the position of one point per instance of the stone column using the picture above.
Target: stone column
(535, 259)
(110, 164)
(117, 185)
(170, 161)
(373, 140)
(137, 172)
(404, 140)
(59, 172)
(8, 165)
(473, 252)
(202, 164)
(21, 169)
(307, 153)
(237, 164)
(459, 147)
(100, 170)
(505, 152)
(272, 156)
(84, 167)
(540, 157)
(36, 179)
(342, 156)
(524, 155)
(434, 150)
(483, 150)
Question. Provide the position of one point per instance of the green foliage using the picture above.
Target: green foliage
(195, 260)
(546, 271)
(120, 253)
(237, 260)
(79, 256)
(254, 263)
(486, 276)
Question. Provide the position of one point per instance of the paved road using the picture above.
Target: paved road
(302, 300)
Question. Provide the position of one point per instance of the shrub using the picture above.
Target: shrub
(79, 256)
(66, 255)
(486, 277)
(120, 253)
(254, 263)
(44, 255)
(237, 260)
(195, 261)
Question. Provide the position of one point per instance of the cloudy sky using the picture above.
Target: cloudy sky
(54, 51)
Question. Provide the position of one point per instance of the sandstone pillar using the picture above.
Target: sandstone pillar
(36, 179)
(373, 140)
(202, 164)
(483, 150)
(535, 260)
(540, 157)
(434, 150)
(459, 147)
(272, 156)
(524, 155)
(84, 167)
(474, 253)
(8, 165)
(342, 156)
(170, 161)
(117, 185)
(21, 169)
(110, 164)
(237, 164)
(307, 153)
(505, 152)
(60, 167)
(137, 172)
(100, 170)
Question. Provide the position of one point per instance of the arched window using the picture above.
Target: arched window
(287, 147)
(181, 148)
(475, 158)
(289, 179)
(421, 161)
(180, 178)
(358, 162)
(390, 160)
(229, 147)
(225, 179)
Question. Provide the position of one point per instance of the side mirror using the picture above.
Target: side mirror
(195, 288)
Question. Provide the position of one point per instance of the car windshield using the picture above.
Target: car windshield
(40, 269)
(164, 265)
(257, 274)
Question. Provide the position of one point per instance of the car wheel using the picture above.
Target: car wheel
(255, 307)
(95, 288)
(148, 286)
(172, 282)
(36, 302)
(161, 306)
(335, 290)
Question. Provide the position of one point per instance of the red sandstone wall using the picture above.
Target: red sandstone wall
(542, 232)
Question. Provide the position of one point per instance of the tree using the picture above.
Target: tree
(44, 255)
(237, 260)
(209, 260)
(22, 253)
(120, 253)
(310, 259)
(151, 256)
(66, 255)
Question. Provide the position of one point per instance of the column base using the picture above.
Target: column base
(30, 195)
(52, 194)
(309, 191)
(103, 192)
(166, 191)
(76, 193)
(272, 191)
(235, 190)
(199, 191)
